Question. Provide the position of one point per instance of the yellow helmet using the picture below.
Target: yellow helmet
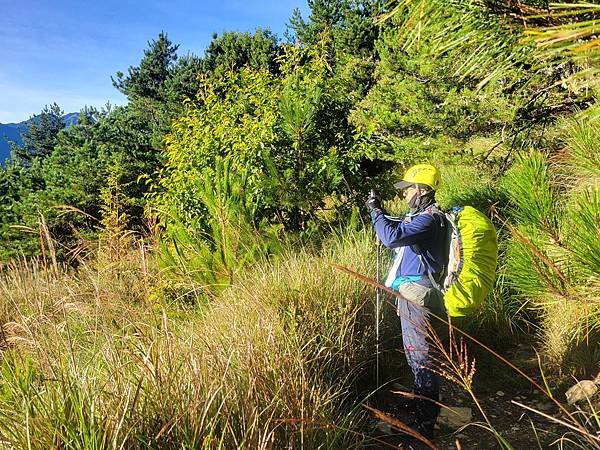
(420, 174)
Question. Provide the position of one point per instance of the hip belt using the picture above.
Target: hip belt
(398, 281)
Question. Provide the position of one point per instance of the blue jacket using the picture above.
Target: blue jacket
(423, 234)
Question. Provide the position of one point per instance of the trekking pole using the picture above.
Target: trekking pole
(377, 314)
(377, 307)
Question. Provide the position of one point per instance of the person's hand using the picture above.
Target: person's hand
(373, 202)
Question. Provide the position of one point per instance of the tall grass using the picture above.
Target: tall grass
(554, 251)
(271, 362)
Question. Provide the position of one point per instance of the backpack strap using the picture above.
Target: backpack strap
(432, 210)
(436, 284)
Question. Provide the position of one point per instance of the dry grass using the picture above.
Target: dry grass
(90, 362)
(93, 358)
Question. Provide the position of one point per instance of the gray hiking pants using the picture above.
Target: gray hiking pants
(416, 323)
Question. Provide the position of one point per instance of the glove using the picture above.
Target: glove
(373, 202)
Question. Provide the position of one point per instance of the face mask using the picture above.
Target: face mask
(414, 201)
(419, 201)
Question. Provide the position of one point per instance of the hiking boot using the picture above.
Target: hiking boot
(406, 403)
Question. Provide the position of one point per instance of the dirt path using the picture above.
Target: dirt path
(496, 388)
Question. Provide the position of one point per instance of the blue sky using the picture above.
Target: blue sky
(65, 51)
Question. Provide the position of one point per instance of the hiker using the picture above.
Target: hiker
(419, 244)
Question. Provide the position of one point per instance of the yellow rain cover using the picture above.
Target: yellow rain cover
(479, 255)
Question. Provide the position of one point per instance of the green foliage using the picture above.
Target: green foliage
(318, 161)
(211, 256)
(422, 104)
(533, 194)
(239, 124)
(581, 138)
(232, 51)
(324, 14)
(349, 22)
(41, 136)
(566, 31)
(157, 88)
(66, 185)
(553, 255)
(536, 210)
(289, 132)
(452, 73)
(23, 179)
(16, 182)
(182, 83)
(147, 80)
(529, 271)
(464, 184)
(471, 39)
(580, 232)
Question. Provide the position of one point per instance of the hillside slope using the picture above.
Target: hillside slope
(11, 132)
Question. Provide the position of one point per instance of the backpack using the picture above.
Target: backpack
(469, 274)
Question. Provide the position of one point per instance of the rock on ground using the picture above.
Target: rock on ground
(582, 390)
(455, 417)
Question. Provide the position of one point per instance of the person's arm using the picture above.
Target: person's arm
(397, 233)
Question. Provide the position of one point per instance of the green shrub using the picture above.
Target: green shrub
(553, 254)
(206, 256)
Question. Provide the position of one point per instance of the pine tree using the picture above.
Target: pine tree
(234, 50)
(41, 136)
(351, 23)
(147, 79)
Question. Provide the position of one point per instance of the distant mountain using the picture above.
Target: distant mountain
(11, 132)
(71, 118)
